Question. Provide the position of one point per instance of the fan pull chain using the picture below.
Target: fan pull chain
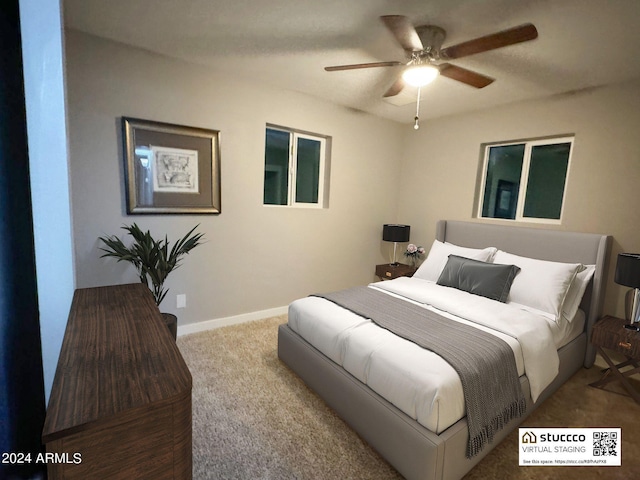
(415, 124)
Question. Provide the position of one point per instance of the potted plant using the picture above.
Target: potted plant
(153, 259)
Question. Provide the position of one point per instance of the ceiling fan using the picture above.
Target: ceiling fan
(426, 59)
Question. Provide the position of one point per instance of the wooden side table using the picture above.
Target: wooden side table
(609, 333)
(389, 271)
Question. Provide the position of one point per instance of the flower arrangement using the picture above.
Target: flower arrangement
(413, 252)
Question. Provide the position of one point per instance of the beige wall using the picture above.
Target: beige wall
(256, 257)
(441, 162)
(261, 257)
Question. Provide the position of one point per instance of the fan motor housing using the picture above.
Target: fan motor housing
(432, 38)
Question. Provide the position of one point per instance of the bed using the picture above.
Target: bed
(420, 438)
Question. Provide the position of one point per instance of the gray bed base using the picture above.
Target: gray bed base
(417, 453)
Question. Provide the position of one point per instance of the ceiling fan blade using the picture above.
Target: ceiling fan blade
(520, 34)
(404, 32)
(465, 76)
(362, 65)
(395, 89)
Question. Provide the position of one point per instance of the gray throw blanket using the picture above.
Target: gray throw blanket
(485, 363)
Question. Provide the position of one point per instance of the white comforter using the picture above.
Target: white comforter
(415, 380)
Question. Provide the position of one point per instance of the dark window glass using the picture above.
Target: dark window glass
(307, 170)
(502, 181)
(547, 175)
(276, 167)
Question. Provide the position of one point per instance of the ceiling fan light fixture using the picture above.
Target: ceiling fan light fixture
(420, 75)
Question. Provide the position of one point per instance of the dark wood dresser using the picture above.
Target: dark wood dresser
(120, 404)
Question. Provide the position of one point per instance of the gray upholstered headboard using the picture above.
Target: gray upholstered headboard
(554, 245)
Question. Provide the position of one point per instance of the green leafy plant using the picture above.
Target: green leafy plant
(152, 258)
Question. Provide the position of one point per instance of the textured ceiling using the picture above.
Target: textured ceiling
(581, 44)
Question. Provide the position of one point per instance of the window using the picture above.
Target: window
(294, 168)
(525, 181)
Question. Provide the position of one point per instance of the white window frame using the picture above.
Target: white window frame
(294, 135)
(524, 178)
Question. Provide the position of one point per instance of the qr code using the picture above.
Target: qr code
(605, 444)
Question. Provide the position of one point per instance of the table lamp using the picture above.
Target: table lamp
(395, 233)
(628, 274)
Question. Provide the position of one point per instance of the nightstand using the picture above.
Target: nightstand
(609, 333)
(389, 271)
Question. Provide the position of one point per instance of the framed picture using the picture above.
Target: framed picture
(506, 198)
(170, 168)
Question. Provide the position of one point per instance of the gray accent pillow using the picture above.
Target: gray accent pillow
(489, 280)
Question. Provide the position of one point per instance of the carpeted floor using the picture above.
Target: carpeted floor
(255, 419)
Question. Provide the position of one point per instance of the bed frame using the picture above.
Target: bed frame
(417, 453)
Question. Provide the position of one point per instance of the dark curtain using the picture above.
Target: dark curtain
(22, 406)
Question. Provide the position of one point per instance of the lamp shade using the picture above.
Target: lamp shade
(420, 75)
(395, 233)
(628, 270)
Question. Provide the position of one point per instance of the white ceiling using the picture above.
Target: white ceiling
(581, 44)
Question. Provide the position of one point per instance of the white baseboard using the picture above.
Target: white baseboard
(234, 320)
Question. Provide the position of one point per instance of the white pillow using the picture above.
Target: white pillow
(576, 292)
(541, 286)
(432, 267)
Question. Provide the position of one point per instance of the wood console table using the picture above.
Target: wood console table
(120, 405)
